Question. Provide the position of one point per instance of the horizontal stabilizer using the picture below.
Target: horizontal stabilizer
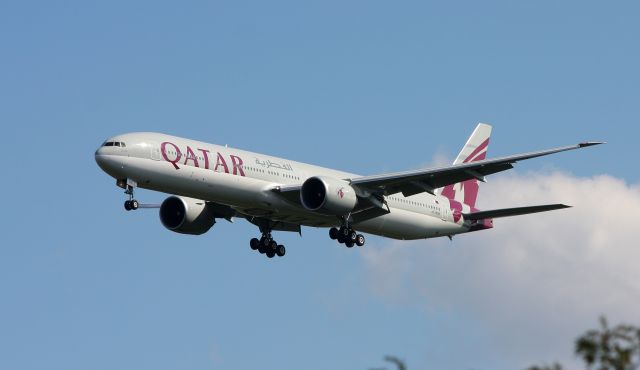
(508, 212)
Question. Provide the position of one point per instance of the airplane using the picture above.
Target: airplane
(208, 182)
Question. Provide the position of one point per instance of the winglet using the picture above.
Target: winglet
(590, 143)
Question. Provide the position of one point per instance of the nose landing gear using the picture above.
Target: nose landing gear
(128, 186)
(131, 204)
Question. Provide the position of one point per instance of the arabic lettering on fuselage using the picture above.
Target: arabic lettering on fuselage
(174, 155)
(268, 164)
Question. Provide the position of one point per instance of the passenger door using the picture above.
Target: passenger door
(155, 152)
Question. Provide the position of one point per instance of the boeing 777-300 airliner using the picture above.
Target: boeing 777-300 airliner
(212, 182)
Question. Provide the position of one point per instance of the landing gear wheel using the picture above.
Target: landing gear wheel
(134, 204)
(127, 205)
(353, 236)
(349, 243)
(360, 240)
(273, 246)
(254, 243)
(281, 250)
(264, 241)
(271, 254)
(344, 232)
(334, 233)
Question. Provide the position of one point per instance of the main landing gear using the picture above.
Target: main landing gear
(266, 245)
(347, 235)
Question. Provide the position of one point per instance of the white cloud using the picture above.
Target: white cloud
(439, 159)
(534, 282)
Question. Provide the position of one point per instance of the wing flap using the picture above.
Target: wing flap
(508, 212)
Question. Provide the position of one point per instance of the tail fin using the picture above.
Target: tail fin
(474, 150)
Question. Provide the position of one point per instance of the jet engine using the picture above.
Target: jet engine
(328, 195)
(186, 215)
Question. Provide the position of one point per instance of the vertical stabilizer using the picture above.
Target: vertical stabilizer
(474, 150)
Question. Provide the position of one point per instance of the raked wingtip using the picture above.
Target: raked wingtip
(591, 143)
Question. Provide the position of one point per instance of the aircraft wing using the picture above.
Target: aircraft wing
(418, 181)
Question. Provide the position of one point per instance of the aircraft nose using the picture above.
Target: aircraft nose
(101, 155)
(102, 160)
(108, 161)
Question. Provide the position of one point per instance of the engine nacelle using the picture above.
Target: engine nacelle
(186, 215)
(328, 195)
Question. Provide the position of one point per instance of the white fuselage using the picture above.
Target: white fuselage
(245, 181)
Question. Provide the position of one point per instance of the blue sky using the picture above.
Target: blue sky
(367, 87)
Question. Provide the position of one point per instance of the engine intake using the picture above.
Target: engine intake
(186, 215)
(328, 195)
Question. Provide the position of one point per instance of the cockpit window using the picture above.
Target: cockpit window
(109, 143)
(122, 144)
(114, 143)
(117, 143)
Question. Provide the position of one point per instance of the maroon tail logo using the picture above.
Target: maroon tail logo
(469, 188)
